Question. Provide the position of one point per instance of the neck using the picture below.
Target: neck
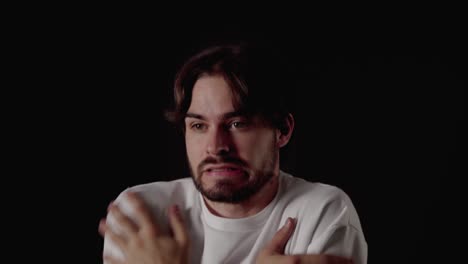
(250, 207)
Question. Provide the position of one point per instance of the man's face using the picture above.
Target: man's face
(231, 156)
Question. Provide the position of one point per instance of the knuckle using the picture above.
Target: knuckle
(151, 231)
(138, 205)
(184, 242)
(294, 260)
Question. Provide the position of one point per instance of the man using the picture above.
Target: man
(239, 207)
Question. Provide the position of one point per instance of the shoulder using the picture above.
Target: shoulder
(316, 191)
(326, 217)
(320, 199)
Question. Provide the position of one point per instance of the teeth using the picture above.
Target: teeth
(223, 169)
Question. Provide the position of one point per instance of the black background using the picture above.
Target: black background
(378, 109)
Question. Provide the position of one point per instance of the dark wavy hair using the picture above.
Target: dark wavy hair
(258, 76)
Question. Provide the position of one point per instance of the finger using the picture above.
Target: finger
(281, 237)
(324, 259)
(178, 226)
(102, 227)
(142, 214)
(107, 232)
(111, 260)
(124, 222)
(110, 204)
(281, 259)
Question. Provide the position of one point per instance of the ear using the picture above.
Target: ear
(284, 134)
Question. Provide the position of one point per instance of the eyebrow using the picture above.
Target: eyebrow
(224, 116)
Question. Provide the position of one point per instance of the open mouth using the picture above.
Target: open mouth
(224, 171)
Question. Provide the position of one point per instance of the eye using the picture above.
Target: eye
(238, 124)
(198, 126)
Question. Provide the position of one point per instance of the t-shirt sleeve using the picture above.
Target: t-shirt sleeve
(342, 240)
(339, 230)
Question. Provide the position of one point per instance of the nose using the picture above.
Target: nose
(219, 142)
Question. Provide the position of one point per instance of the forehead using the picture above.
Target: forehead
(211, 96)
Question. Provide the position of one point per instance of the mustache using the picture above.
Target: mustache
(221, 159)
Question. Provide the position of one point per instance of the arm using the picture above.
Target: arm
(342, 240)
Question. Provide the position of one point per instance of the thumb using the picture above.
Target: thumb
(178, 226)
(278, 242)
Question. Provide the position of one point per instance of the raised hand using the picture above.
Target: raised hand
(274, 252)
(141, 241)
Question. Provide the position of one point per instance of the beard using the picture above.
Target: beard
(227, 191)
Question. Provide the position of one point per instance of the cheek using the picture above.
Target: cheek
(255, 147)
(193, 148)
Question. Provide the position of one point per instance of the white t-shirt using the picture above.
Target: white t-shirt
(327, 222)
